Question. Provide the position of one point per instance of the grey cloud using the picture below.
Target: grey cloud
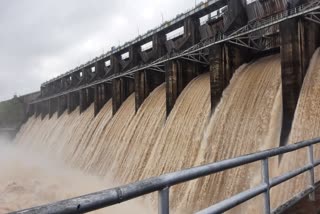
(41, 39)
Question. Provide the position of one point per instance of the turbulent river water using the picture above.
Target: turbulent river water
(57, 158)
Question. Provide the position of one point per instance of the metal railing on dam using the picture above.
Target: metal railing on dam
(163, 183)
(196, 53)
(199, 10)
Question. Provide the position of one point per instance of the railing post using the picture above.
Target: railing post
(265, 177)
(311, 173)
(163, 206)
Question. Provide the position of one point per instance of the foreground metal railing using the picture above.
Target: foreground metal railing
(163, 183)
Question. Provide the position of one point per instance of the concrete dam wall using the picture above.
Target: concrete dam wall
(131, 146)
(238, 83)
(249, 31)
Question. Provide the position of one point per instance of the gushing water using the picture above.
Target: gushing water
(179, 142)
(29, 178)
(306, 125)
(135, 145)
(245, 121)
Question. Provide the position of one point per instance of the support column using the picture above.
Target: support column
(102, 93)
(101, 96)
(104, 97)
(189, 71)
(121, 90)
(292, 72)
(129, 86)
(191, 29)
(296, 52)
(141, 88)
(99, 67)
(83, 100)
(30, 110)
(84, 77)
(116, 95)
(37, 109)
(145, 82)
(72, 101)
(158, 43)
(158, 48)
(45, 108)
(220, 73)
(107, 90)
(311, 40)
(172, 70)
(224, 60)
(62, 104)
(236, 15)
(43, 91)
(178, 74)
(90, 96)
(97, 99)
(53, 106)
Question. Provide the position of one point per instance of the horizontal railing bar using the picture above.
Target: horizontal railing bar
(120, 194)
(82, 204)
(285, 177)
(246, 195)
(235, 200)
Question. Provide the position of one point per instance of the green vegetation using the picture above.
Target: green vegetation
(12, 113)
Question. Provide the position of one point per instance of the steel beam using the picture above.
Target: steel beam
(301, 11)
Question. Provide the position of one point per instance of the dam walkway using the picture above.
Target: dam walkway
(163, 183)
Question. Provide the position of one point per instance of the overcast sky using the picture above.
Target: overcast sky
(40, 39)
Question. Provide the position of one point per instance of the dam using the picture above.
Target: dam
(221, 102)
(220, 45)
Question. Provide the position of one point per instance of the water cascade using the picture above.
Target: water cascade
(135, 145)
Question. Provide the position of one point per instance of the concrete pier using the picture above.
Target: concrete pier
(37, 109)
(30, 110)
(86, 97)
(299, 41)
(100, 69)
(62, 105)
(145, 82)
(53, 106)
(121, 89)
(173, 69)
(180, 72)
(45, 105)
(224, 60)
(84, 102)
(158, 48)
(102, 93)
(73, 99)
